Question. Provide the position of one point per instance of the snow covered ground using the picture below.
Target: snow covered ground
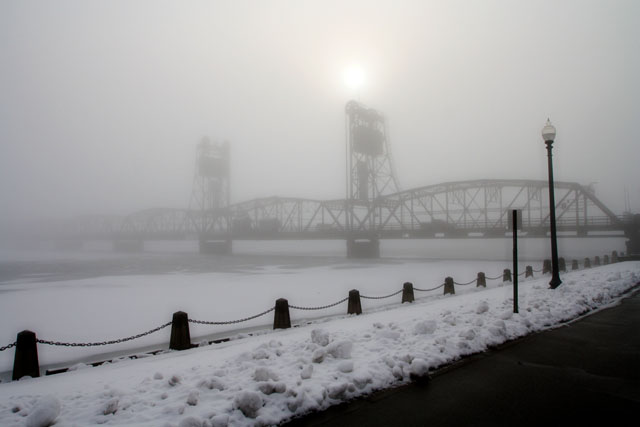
(275, 375)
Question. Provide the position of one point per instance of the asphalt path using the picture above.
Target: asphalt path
(586, 372)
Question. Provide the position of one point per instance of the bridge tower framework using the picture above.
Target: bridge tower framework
(370, 176)
(210, 197)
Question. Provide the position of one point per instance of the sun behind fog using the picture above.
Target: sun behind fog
(354, 77)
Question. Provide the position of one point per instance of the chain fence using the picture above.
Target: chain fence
(320, 307)
(465, 284)
(8, 346)
(231, 322)
(95, 344)
(383, 297)
(428, 290)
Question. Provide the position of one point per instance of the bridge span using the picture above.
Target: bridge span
(463, 209)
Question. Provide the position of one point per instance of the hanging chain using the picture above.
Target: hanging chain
(95, 344)
(386, 296)
(231, 322)
(428, 290)
(321, 307)
(8, 346)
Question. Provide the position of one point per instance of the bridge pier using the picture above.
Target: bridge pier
(128, 245)
(632, 233)
(633, 248)
(363, 248)
(216, 247)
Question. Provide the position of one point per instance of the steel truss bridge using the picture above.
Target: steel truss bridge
(463, 209)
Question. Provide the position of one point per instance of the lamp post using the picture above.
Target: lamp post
(548, 135)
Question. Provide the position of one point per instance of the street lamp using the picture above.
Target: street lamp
(548, 135)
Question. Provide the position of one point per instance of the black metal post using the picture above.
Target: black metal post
(281, 318)
(407, 292)
(180, 336)
(555, 275)
(354, 306)
(515, 260)
(25, 362)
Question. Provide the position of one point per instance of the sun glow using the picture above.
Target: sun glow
(354, 77)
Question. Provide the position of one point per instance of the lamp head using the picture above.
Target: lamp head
(548, 132)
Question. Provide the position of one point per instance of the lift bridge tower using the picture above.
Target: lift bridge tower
(210, 197)
(370, 175)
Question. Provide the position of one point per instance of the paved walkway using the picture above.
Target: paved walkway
(586, 372)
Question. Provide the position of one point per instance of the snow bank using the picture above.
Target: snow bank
(273, 377)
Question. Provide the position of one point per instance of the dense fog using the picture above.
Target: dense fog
(103, 103)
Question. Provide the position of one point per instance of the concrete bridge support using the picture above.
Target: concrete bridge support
(128, 245)
(363, 248)
(632, 233)
(216, 247)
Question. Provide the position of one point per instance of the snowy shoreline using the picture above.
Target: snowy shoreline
(270, 378)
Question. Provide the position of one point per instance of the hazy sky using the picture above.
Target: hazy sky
(102, 103)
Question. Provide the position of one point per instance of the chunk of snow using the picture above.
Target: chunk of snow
(340, 349)
(264, 374)
(337, 391)
(397, 372)
(425, 327)
(306, 372)
(318, 355)
(192, 399)
(362, 379)
(44, 413)
(483, 307)
(320, 337)
(261, 353)
(271, 387)
(345, 366)
(249, 403)
(419, 367)
(212, 384)
(111, 406)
